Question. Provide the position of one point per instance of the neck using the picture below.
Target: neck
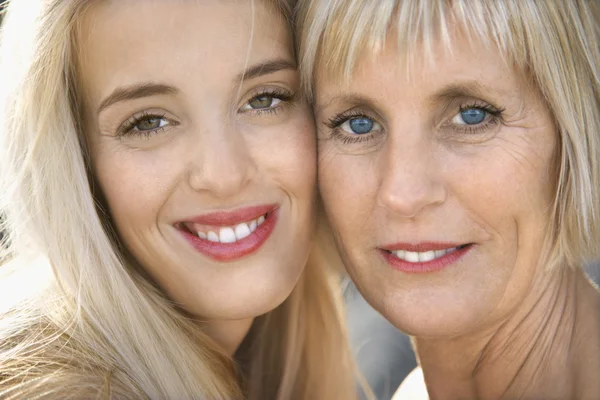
(228, 334)
(549, 347)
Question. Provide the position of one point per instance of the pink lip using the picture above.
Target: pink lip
(231, 218)
(421, 247)
(435, 265)
(232, 251)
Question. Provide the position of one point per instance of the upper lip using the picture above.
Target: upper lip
(421, 246)
(232, 217)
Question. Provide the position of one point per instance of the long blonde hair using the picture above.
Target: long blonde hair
(76, 321)
(554, 42)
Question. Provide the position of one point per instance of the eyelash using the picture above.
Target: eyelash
(335, 122)
(276, 93)
(127, 128)
(494, 113)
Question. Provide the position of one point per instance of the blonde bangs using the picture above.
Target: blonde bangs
(341, 30)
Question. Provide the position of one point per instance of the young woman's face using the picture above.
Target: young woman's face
(204, 155)
(438, 181)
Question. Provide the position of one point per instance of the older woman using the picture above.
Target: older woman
(159, 193)
(459, 163)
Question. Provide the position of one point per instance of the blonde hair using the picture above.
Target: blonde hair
(554, 42)
(85, 324)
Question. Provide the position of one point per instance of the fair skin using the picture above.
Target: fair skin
(203, 142)
(458, 156)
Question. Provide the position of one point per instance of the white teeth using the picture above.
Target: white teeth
(439, 253)
(241, 231)
(426, 256)
(227, 235)
(231, 234)
(253, 225)
(213, 237)
(413, 256)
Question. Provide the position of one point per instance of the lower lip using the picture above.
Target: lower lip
(233, 251)
(435, 265)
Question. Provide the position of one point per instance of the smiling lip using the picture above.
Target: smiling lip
(423, 257)
(229, 218)
(232, 251)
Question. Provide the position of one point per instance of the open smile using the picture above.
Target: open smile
(228, 236)
(423, 257)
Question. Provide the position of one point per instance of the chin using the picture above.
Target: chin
(423, 326)
(428, 313)
(250, 305)
(247, 295)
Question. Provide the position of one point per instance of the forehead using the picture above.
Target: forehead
(386, 70)
(123, 41)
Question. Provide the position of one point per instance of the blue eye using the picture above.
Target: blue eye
(471, 116)
(360, 125)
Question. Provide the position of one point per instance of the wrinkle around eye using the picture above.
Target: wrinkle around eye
(110, 121)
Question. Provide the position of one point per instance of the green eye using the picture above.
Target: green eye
(150, 124)
(145, 123)
(262, 102)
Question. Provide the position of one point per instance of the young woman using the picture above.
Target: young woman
(158, 184)
(459, 163)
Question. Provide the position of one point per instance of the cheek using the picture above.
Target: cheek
(289, 155)
(507, 186)
(348, 188)
(135, 184)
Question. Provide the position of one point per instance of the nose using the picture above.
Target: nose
(410, 180)
(222, 164)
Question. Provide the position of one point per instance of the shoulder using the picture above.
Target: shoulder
(413, 387)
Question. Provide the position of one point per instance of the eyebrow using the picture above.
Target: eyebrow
(135, 92)
(349, 99)
(265, 68)
(465, 89)
(449, 92)
(152, 89)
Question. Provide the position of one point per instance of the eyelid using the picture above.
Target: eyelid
(285, 95)
(493, 118)
(460, 104)
(374, 129)
(351, 141)
(485, 106)
(456, 105)
(356, 112)
(126, 127)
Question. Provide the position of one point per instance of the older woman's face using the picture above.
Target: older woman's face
(438, 180)
(205, 158)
